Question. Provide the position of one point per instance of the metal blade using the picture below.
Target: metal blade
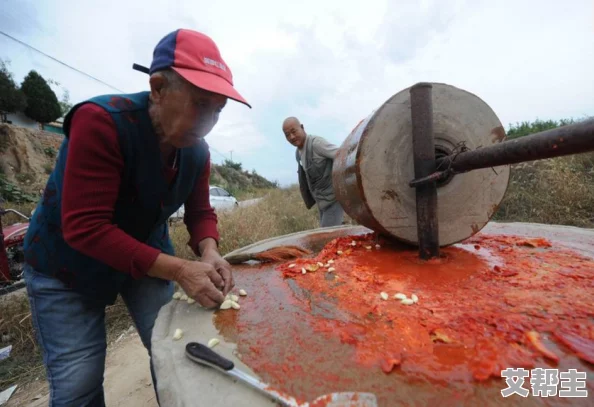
(207, 357)
(263, 387)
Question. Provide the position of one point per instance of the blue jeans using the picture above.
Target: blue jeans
(71, 333)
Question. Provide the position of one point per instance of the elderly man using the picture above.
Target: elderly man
(126, 164)
(315, 157)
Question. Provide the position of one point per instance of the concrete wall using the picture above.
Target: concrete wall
(19, 119)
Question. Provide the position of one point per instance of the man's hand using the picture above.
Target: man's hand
(200, 280)
(211, 256)
(209, 253)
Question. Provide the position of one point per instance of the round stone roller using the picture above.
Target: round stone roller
(374, 166)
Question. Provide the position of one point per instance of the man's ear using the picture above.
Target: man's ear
(302, 128)
(157, 82)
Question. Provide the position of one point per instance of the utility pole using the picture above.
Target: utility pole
(231, 151)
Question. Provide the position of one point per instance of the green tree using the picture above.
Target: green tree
(65, 104)
(525, 128)
(12, 99)
(42, 102)
(232, 164)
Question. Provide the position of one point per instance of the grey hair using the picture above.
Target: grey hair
(174, 80)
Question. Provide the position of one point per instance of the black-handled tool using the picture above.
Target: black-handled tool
(208, 357)
(205, 356)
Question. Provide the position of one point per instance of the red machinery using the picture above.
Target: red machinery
(12, 258)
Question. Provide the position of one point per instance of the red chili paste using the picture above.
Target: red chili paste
(491, 303)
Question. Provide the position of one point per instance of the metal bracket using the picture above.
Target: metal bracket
(421, 103)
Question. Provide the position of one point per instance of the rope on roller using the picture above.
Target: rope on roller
(459, 148)
(441, 174)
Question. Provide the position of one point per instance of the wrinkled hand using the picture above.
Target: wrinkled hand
(202, 282)
(222, 267)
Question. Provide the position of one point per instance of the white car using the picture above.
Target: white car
(219, 200)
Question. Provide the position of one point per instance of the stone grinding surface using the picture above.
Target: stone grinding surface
(495, 301)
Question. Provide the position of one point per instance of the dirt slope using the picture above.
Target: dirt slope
(27, 156)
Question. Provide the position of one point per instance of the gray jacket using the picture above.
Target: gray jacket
(315, 175)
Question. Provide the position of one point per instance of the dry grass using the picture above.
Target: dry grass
(556, 191)
(17, 330)
(24, 208)
(253, 193)
(280, 212)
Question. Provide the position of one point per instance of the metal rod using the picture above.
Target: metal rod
(434, 177)
(566, 140)
(424, 161)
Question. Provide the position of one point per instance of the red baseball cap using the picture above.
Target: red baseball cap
(197, 59)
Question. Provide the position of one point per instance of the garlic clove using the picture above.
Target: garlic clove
(213, 342)
(407, 301)
(414, 298)
(400, 296)
(384, 295)
(331, 269)
(235, 305)
(191, 301)
(226, 304)
(178, 334)
(177, 295)
(291, 265)
(242, 293)
(234, 297)
(183, 298)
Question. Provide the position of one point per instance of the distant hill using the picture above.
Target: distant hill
(237, 181)
(27, 157)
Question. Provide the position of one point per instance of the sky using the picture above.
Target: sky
(329, 63)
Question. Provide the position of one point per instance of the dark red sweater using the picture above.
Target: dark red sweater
(92, 179)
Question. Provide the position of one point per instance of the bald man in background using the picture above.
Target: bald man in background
(315, 157)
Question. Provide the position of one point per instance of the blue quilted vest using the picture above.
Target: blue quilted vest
(145, 202)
